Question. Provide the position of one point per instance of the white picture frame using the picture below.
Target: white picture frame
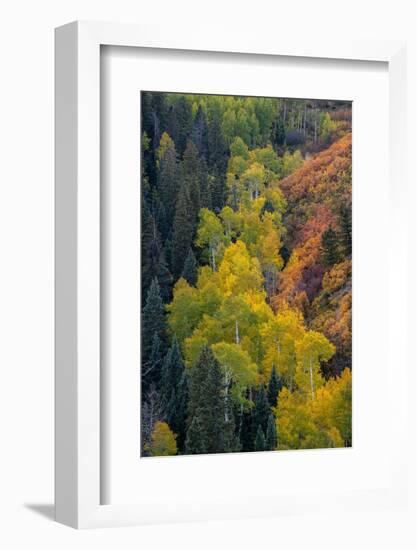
(77, 423)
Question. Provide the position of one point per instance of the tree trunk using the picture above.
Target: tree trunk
(213, 259)
(311, 379)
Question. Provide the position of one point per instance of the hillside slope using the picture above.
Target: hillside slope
(317, 276)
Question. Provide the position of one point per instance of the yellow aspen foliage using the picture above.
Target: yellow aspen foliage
(162, 441)
(310, 350)
(184, 310)
(238, 272)
(164, 144)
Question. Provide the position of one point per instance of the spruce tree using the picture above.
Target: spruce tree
(214, 405)
(180, 420)
(151, 369)
(183, 231)
(191, 176)
(205, 186)
(189, 273)
(153, 322)
(274, 387)
(279, 131)
(217, 191)
(159, 214)
(199, 133)
(260, 443)
(174, 391)
(330, 247)
(150, 246)
(262, 410)
(206, 412)
(181, 120)
(217, 149)
(167, 251)
(247, 435)
(345, 221)
(271, 434)
(153, 257)
(164, 278)
(196, 441)
(168, 179)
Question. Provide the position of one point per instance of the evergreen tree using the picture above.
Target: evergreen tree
(196, 441)
(330, 247)
(151, 369)
(150, 244)
(168, 179)
(247, 435)
(262, 410)
(214, 405)
(271, 434)
(345, 221)
(199, 133)
(160, 111)
(172, 372)
(174, 392)
(153, 258)
(180, 120)
(274, 387)
(260, 443)
(180, 419)
(189, 273)
(183, 231)
(164, 278)
(217, 191)
(279, 132)
(167, 251)
(160, 216)
(191, 176)
(217, 148)
(205, 186)
(147, 114)
(153, 322)
(206, 419)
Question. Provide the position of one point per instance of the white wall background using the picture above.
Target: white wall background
(26, 272)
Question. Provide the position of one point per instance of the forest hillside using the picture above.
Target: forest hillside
(246, 274)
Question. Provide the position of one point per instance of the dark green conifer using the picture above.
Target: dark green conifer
(271, 434)
(189, 273)
(153, 322)
(274, 387)
(174, 392)
(196, 440)
(330, 247)
(168, 182)
(260, 443)
(205, 186)
(164, 278)
(206, 403)
(191, 176)
(199, 133)
(183, 230)
(345, 221)
(262, 410)
(151, 369)
(217, 149)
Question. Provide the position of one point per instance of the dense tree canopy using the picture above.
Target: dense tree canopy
(246, 274)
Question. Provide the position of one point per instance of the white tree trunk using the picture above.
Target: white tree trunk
(237, 333)
(213, 259)
(311, 379)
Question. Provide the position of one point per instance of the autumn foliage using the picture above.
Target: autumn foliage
(247, 274)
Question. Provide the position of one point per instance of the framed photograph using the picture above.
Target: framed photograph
(228, 320)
